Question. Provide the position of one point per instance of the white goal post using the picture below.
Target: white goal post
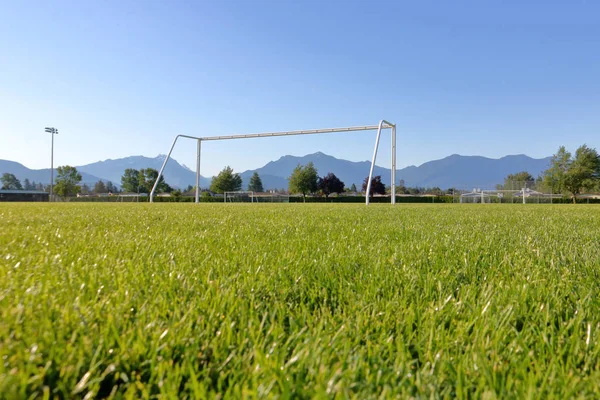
(383, 124)
(231, 196)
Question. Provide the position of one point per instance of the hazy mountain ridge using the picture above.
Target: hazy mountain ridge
(41, 175)
(452, 171)
(175, 174)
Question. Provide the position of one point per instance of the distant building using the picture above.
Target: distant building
(24, 195)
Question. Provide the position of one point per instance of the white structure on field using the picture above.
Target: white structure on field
(476, 196)
(239, 196)
(383, 124)
(524, 195)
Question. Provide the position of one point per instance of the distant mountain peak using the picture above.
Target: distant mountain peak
(452, 171)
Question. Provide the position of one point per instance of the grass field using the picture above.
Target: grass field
(297, 301)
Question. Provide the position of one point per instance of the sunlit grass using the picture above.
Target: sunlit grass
(184, 300)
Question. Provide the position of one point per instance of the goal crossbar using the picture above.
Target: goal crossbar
(383, 124)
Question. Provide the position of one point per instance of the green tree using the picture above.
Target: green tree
(130, 180)
(176, 194)
(67, 181)
(110, 188)
(10, 182)
(85, 189)
(255, 184)
(554, 177)
(100, 187)
(518, 181)
(303, 180)
(353, 188)
(142, 185)
(226, 181)
(27, 185)
(377, 187)
(436, 190)
(205, 197)
(330, 184)
(147, 178)
(573, 174)
(583, 172)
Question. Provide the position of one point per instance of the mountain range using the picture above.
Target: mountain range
(458, 171)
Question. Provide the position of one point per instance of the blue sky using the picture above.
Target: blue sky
(120, 78)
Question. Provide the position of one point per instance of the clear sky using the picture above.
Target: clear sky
(120, 78)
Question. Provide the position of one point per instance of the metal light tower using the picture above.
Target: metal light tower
(52, 131)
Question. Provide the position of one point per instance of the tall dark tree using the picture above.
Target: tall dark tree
(353, 188)
(100, 188)
(130, 180)
(10, 182)
(27, 185)
(226, 181)
(85, 189)
(377, 187)
(330, 184)
(110, 188)
(304, 179)
(67, 181)
(255, 184)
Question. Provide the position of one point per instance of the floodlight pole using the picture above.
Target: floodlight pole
(52, 167)
(52, 131)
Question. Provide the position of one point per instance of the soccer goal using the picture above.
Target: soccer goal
(271, 197)
(476, 196)
(383, 124)
(238, 197)
(128, 198)
(503, 196)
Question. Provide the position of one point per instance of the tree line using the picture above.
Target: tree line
(304, 180)
(568, 174)
(68, 183)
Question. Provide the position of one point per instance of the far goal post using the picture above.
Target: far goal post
(244, 196)
(383, 124)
